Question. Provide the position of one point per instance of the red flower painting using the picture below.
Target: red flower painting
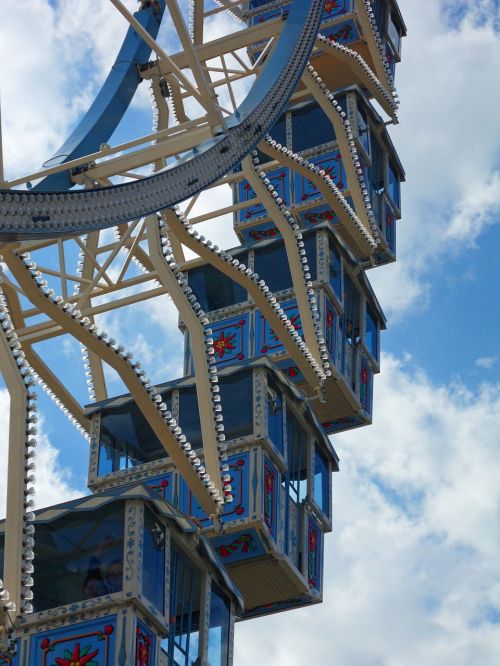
(223, 344)
(79, 657)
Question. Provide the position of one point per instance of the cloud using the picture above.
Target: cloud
(412, 568)
(486, 362)
(448, 142)
(54, 482)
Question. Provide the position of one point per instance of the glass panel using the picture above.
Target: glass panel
(335, 271)
(278, 132)
(236, 394)
(364, 134)
(185, 586)
(371, 333)
(218, 633)
(351, 329)
(271, 263)
(275, 414)
(310, 128)
(380, 9)
(296, 477)
(153, 563)
(394, 33)
(189, 416)
(393, 184)
(321, 481)
(127, 438)
(215, 290)
(79, 556)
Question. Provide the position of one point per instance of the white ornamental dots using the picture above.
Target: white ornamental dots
(352, 151)
(303, 162)
(267, 293)
(391, 96)
(72, 312)
(210, 356)
(28, 529)
(311, 296)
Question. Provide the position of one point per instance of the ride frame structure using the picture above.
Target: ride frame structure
(211, 493)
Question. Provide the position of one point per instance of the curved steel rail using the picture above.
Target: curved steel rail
(25, 215)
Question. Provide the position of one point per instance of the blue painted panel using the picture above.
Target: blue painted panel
(266, 340)
(162, 485)
(94, 639)
(280, 179)
(339, 425)
(343, 33)
(331, 163)
(317, 215)
(260, 232)
(144, 645)
(239, 469)
(231, 340)
(238, 546)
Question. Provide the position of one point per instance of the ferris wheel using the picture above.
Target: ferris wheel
(105, 225)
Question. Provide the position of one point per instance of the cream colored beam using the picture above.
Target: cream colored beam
(174, 146)
(94, 362)
(198, 350)
(356, 65)
(232, 42)
(208, 98)
(162, 55)
(126, 373)
(198, 22)
(16, 462)
(292, 251)
(369, 35)
(343, 143)
(56, 386)
(278, 326)
(359, 242)
(38, 364)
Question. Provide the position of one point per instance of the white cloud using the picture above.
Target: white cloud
(53, 481)
(412, 567)
(448, 141)
(486, 362)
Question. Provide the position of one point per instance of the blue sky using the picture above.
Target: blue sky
(412, 570)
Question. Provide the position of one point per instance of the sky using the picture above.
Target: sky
(412, 567)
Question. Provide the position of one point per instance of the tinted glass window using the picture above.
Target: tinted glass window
(189, 415)
(153, 563)
(127, 439)
(218, 633)
(185, 586)
(275, 414)
(78, 557)
(271, 263)
(310, 128)
(393, 184)
(364, 134)
(215, 290)
(335, 271)
(321, 481)
(371, 333)
(297, 460)
(236, 394)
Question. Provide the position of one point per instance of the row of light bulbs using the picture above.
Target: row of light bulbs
(305, 267)
(210, 355)
(71, 311)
